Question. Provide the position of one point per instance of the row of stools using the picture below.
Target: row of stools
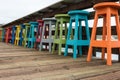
(39, 33)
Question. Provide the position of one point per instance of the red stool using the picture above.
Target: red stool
(8, 34)
(106, 10)
(39, 33)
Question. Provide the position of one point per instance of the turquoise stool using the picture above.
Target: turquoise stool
(77, 16)
(31, 37)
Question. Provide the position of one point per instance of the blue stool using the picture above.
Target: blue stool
(21, 34)
(13, 34)
(3, 34)
(77, 16)
(31, 37)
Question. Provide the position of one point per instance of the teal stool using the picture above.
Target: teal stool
(32, 37)
(77, 16)
(60, 31)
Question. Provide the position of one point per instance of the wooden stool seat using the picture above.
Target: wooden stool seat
(80, 12)
(107, 4)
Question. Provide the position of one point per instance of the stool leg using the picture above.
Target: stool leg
(109, 38)
(68, 37)
(32, 44)
(28, 43)
(87, 29)
(118, 32)
(50, 45)
(42, 37)
(50, 35)
(80, 37)
(66, 30)
(75, 38)
(14, 42)
(104, 36)
(92, 37)
(46, 36)
(32, 41)
(56, 33)
(25, 37)
(17, 42)
(61, 32)
(75, 52)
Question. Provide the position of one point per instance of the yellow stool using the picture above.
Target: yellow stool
(17, 38)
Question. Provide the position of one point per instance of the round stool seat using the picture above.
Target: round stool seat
(61, 15)
(22, 25)
(35, 23)
(27, 24)
(39, 20)
(107, 4)
(49, 19)
(80, 12)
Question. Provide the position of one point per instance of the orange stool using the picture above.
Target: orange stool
(106, 10)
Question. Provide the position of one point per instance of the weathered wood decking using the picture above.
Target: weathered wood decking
(19, 63)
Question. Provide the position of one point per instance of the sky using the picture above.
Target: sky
(11, 10)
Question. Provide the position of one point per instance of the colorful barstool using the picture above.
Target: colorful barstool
(0, 34)
(25, 34)
(13, 34)
(49, 23)
(17, 35)
(8, 34)
(3, 34)
(106, 10)
(77, 16)
(39, 33)
(61, 25)
(21, 34)
(31, 37)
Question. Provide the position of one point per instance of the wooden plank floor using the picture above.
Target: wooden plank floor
(19, 63)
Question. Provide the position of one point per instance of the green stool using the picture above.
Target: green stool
(26, 34)
(60, 35)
